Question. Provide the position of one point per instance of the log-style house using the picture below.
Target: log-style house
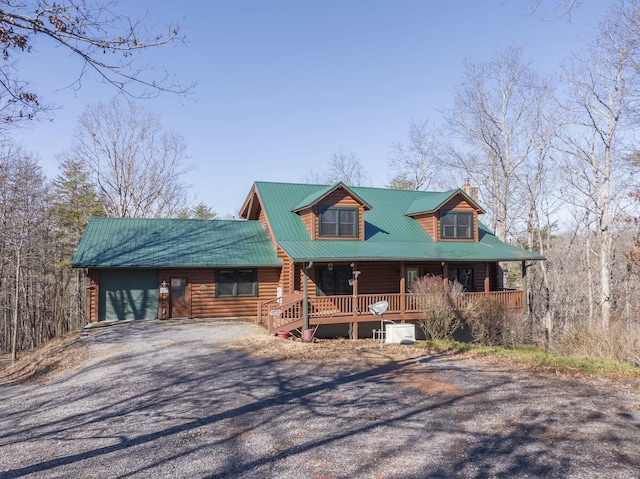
(337, 249)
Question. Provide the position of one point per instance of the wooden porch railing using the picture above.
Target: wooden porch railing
(288, 313)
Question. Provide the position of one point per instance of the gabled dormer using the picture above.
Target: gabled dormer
(447, 216)
(333, 213)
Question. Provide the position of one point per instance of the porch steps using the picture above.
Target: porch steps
(292, 326)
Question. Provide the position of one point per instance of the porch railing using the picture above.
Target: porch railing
(280, 313)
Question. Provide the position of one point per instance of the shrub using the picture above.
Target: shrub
(487, 321)
(440, 305)
(492, 324)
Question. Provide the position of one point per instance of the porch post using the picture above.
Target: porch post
(525, 288)
(445, 273)
(354, 299)
(305, 302)
(354, 306)
(403, 289)
(487, 282)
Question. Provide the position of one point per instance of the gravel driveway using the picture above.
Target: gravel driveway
(174, 400)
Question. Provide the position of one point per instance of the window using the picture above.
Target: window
(236, 282)
(412, 275)
(333, 280)
(339, 222)
(463, 275)
(456, 225)
(178, 288)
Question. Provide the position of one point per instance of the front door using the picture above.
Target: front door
(178, 299)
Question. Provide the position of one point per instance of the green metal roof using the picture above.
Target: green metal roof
(389, 233)
(433, 201)
(155, 243)
(487, 249)
(323, 191)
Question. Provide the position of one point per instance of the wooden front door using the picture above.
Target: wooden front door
(179, 305)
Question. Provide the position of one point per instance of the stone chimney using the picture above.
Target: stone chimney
(471, 191)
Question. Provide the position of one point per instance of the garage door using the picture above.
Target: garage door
(128, 294)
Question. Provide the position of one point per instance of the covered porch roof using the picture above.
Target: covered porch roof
(489, 248)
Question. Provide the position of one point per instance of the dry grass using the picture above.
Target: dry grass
(620, 342)
(531, 358)
(328, 351)
(567, 367)
(40, 365)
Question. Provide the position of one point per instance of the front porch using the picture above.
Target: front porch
(287, 313)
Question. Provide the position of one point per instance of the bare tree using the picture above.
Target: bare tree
(105, 41)
(345, 167)
(498, 115)
(40, 295)
(137, 167)
(593, 145)
(23, 197)
(414, 162)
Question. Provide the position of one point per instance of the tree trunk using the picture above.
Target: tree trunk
(605, 274)
(14, 340)
(589, 274)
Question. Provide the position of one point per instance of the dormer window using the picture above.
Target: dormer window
(338, 222)
(456, 225)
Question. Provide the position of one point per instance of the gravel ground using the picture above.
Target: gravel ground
(166, 399)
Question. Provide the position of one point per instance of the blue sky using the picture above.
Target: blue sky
(282, 85)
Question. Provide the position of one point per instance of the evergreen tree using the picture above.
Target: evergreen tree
(74, 201)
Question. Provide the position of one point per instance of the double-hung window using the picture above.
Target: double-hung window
(236, 282)
(456, 225)
(338, 222)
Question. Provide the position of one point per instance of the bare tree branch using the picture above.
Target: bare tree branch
(91, 31)
(415, 161)
(343, 166)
